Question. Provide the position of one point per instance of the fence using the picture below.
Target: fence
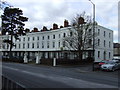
(8, 84)
(66, 61)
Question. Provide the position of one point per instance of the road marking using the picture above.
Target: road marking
(11, 68)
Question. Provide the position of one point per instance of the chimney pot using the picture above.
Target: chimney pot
(35, 30)
(55, 26)
(61, 26)
(66, 23)
(44, 28)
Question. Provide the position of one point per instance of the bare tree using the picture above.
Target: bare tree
(81, 35)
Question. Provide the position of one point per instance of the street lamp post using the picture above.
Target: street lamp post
(25, 54)
(93, 32)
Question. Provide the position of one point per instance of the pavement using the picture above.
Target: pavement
(84, 68)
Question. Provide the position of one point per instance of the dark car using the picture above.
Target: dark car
(14, 59)
(17, 59)
(20, 59)
(5, 58)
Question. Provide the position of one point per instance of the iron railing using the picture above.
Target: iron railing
(8, 84)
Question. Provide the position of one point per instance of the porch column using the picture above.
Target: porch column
(38, 57)
(25, 58)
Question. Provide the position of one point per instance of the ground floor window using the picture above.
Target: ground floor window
(98, 54)
(109, 55)
(104, 55)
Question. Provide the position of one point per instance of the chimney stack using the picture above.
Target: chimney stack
(51, 29)
(66, 23)
(61, 26)
(55, 26)
(81, 20)
(35, 30)
(44, 28)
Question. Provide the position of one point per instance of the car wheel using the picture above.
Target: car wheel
(101, 69)
(113, 69)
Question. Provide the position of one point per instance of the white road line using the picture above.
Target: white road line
(11, 68)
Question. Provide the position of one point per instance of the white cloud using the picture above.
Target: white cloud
(46, 12)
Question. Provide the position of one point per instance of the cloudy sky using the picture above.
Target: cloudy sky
(46, 12)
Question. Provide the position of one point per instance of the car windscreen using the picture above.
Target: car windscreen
(110, 62)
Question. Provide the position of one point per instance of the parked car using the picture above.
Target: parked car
(12, 58)
(116, 60)
(20, 59)
(16, 59)
(5, 58)
(102, 62)
(110, 66)
(32, 58)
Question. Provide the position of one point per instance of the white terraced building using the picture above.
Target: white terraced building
(48, 44)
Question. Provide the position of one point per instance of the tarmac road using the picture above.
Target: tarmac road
(39, 76)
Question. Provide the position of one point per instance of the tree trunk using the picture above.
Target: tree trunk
(80, 55)
(10, 52)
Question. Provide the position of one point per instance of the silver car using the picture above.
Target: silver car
(110, 66)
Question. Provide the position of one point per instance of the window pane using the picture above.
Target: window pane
(98, 31)
(98, 54)
(33, 38)
(53, 44)
(37, 38)
(104, 33)
(48, 37)
(53, 36)
(64, 35)
(43, 38)
(28, 45)
(32, 45)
